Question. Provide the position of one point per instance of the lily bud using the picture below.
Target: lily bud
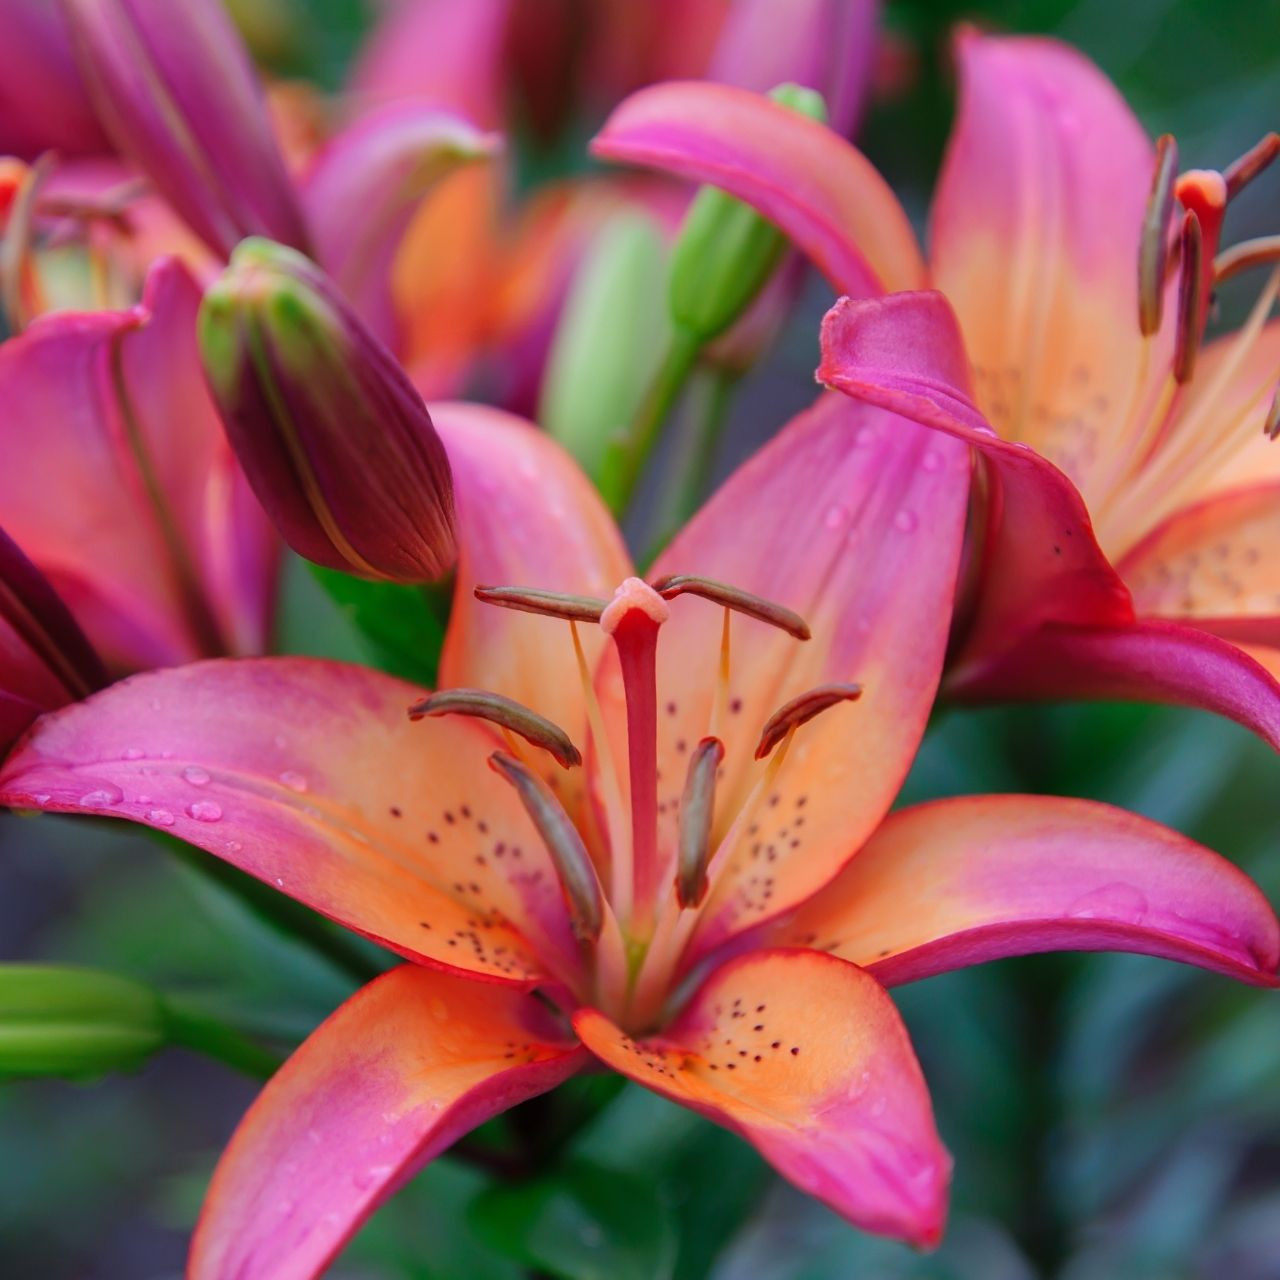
(336, 442)
(45, 659)
(75, 1022)
(726, 251)
(176, 92)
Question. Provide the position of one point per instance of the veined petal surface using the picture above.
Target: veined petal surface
(407, 1066)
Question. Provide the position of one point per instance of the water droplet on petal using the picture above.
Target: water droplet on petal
(280, 741)
(234, 846)
(133, 753)
(1117, 901)
(906, 521)
(205, 811)
(932, 460)
(836, 516)
(866, 435)
(293, 780)
(101, 798)
(161, 817)
(279, 882)
(42, 797)
(195, 775)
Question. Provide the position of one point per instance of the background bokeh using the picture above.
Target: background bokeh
(1110, 1116)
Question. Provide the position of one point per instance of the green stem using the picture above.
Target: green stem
(689, 473)
(195, 1029)
(284, 916)
(625, 458)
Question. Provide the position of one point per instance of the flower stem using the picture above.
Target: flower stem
(195, 1029)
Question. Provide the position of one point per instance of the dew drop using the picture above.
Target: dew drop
(1117, 901)
(161, 817)
(101, 797)
(280, 741)
(234, 846)
(293, 780)
(906, 521)
(932, 460)
(836, 516)
(866, 435)
(133, 753)
(205, 811)
(42, 797)
(195, 775)
(279, 882)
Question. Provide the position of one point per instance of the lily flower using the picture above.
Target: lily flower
(640, 825)
(117, 481)
(1122, 547)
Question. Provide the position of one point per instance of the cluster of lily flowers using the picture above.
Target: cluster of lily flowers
(643, 823)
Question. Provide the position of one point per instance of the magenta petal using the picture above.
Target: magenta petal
(1152, 660)
(959, 882)
(401, 1071)
(1040, 561)
(365, 187)
(177, 93)
(820, 190)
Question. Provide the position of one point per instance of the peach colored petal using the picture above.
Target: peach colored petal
(401, 1071)
(836, 1102)
(958, 882)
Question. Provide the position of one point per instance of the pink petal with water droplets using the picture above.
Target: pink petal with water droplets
(819, 189)
(406, 1067)
(835, 1103)
(959, 882)
(310, 776)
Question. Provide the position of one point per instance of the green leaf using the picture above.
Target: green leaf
(583, 1222)
(401, 626)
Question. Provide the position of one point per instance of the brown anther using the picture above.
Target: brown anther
(697, 809)
(1271, 428)
(1153, 252)
(578, 880)
(552, 604)
(1262, 252)
(802, 709)
(1190, 292)
(721, 593)
(1240, 173)
(504, 712)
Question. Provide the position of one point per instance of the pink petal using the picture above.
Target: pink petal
(820, 190)
(836, 1102)
(1151, 660)
(1039, 560)
(959, 882)
(401, 1071)
(310, 776)
(1035, 235)
(366, 185)
(116, 478)
(175, 90)
(854, 519)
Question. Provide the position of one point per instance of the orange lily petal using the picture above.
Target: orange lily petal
(401, 1071)
(836, 1102)
(1035, 235)
(818, 188)
(958, 882)
(854, 519)
(1215, 564)
(310, 776)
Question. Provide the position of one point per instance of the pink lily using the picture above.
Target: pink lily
(1123, 542)
(721, 866)
(117, 480)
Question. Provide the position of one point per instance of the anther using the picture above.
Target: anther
(775, 615)
(1262, 252)
(1153, 255)
(1190, 289)
(1240, 173)
(504, 712)
(697, 809)
(1271, 428)
(573, 865)
(802, 709)
(553, 604)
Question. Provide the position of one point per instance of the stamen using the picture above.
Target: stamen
(721, 699)
(802, 709)
(1271, 428)
(1154, 251)
(16, 246)
(697, 808)
(1264, 251)
(505, 712)
(553, 604)
(577, 875)
(733, 598)
(1241, 172)
(1189, 300)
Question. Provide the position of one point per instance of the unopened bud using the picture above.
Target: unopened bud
(75, 1022)
(331, 433)
(726, 251)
